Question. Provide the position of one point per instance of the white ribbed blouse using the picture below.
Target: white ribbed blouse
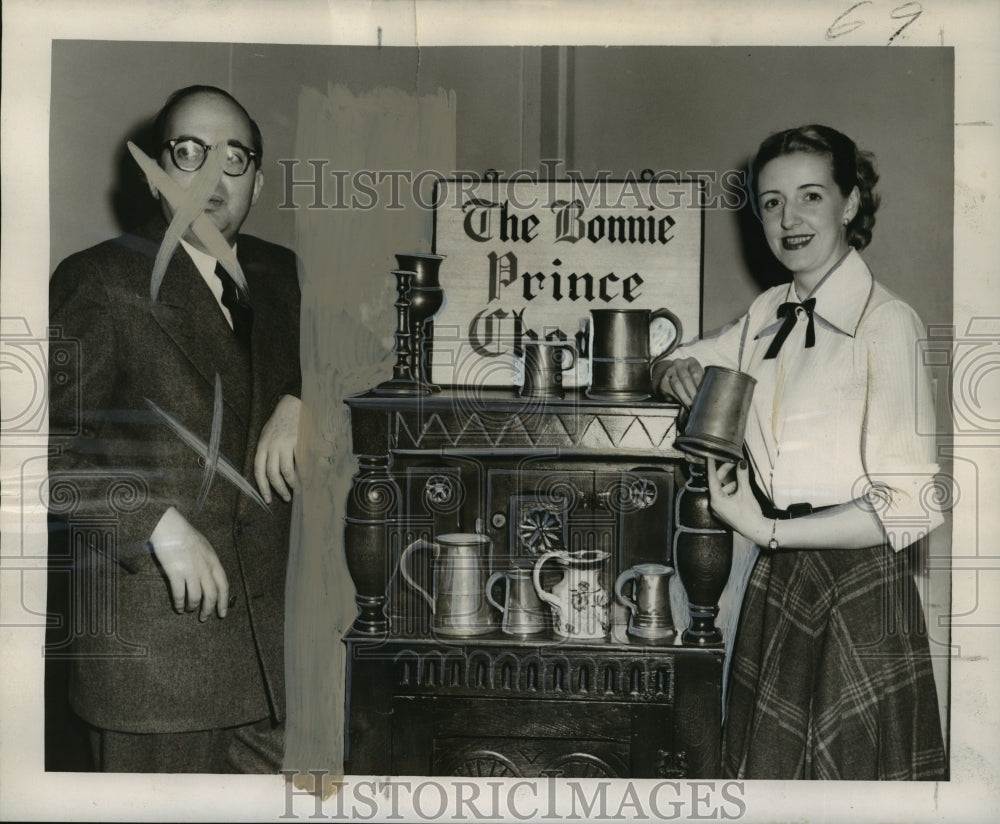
(838, 421)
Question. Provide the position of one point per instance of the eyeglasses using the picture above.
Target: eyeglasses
(189, 153)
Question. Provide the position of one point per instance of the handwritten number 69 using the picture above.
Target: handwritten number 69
(841, 26)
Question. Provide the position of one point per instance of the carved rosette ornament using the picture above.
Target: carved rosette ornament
(671, 764)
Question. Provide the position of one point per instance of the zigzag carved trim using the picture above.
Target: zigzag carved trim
(587, 431)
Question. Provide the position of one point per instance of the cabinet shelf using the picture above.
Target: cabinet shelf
(595, 475)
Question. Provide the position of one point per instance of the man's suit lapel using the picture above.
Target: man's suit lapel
(187, 311)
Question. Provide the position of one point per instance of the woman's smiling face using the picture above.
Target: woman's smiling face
(804, 213)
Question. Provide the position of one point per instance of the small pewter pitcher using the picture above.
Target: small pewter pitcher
(544, 363)
(522, 609)
(458, 576)
(649, 606)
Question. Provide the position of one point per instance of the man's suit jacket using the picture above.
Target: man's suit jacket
(116, 466)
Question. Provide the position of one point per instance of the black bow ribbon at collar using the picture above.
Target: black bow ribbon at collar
(786, 313)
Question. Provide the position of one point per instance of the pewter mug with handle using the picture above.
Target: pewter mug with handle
(544, 363)
(719, 412)
(522, 609)
(458, 576)
(619, 353)
(649, 606)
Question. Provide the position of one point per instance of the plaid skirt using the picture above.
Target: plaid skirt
(831, 673)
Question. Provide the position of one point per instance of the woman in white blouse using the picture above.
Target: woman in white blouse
(830, 676)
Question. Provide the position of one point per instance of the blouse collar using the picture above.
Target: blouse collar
(843, 293)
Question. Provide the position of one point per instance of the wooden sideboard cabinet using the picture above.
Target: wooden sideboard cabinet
(532, 475)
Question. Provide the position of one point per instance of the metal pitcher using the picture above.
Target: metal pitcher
(544, 363)
(620, 353)
(458, 576)
(649, 606)
(579, 601)
(523, 613)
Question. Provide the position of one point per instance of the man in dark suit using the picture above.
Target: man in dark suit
(169, 434)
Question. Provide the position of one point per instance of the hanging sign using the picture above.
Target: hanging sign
(530, 260)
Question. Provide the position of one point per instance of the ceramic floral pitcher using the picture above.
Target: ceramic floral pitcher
(579, 601)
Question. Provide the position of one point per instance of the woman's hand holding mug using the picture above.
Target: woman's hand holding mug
(680, 379)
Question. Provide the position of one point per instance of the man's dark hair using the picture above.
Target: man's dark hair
(179, 96)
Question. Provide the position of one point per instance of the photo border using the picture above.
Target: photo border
(971, 27)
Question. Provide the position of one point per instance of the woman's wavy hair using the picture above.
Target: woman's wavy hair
(851, 167)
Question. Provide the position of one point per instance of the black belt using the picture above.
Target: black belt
(793, 511)
(770, 510)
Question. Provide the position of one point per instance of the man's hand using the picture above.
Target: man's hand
(681, 379)
(274, 462)
(192, 568)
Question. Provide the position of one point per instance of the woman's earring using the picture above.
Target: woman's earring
(846, 221)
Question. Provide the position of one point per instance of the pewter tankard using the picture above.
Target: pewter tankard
(544, 363)
(522, 609)
(458, 576)
(649, 606)
(719, 412)
(619, 362)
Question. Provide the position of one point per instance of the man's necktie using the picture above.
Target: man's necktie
(238, 305)
(786, 312)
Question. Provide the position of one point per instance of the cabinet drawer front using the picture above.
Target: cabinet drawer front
(526, 738)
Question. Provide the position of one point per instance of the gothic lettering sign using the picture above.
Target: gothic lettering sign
(531, 260)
